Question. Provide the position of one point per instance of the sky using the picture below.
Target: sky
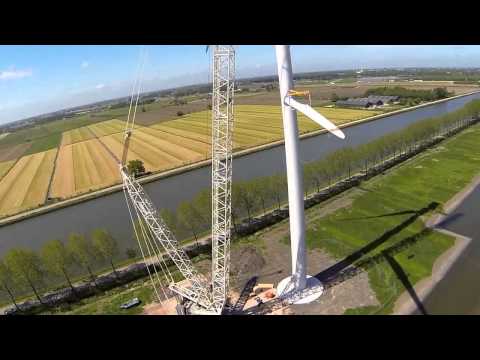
(40, 79)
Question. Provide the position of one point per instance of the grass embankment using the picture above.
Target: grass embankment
(108, 302)
(389, 211)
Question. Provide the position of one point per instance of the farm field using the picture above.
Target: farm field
(322, 93)
(91, 131)
(107, 127)
(84, 164)
(3, 135)
(13, 152)
(255, 124)
(26, 184)
(83, 167)
(76, 135)
(5, 166)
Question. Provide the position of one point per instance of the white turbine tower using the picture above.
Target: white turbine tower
(293, 286)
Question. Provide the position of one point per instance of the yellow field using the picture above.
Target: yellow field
(76, 135)
(157, 149)
(254, 124)
(5, 166)
(83, 167)
(84, 164)
(107, 127)
(26, 184)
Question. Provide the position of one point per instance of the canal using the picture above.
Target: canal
(458, 293)
(110, 211)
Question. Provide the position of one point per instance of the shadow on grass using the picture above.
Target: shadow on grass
(326, 275)
(345, 270)
(381, 216)
(397, 269)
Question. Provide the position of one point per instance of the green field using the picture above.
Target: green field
(388, 213)
(45, 143)
(108, 303)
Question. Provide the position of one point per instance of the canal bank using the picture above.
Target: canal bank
(405, 305)
(458, 292)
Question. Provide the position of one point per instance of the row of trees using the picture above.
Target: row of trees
(23, 270)
(192, 218)
(405, 94)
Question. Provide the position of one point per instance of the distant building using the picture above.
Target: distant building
(384, 99)
(367, 102)
(358, 102)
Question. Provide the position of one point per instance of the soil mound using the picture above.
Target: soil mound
(244, 261)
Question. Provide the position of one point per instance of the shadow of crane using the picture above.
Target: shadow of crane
(346, 269)
(333, 270)
(397, 269)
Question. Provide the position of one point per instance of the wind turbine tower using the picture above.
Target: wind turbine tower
(299, 287)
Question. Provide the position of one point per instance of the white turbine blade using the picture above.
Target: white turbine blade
(310, 112)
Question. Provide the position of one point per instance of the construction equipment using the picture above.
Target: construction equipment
(157, 238)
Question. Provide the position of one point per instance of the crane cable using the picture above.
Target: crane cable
(141, 248)
(137, 82)
(208, 114)
(151, 253)
(130, 123)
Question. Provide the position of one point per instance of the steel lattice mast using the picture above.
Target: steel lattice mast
(223, 74)
(198, 289)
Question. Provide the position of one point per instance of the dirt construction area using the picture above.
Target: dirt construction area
(265, 259)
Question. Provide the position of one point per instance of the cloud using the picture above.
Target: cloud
(84, 64)
(12, 74)
(100, 86)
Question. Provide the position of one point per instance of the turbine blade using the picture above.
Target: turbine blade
(311, 113)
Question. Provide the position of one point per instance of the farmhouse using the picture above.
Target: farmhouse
(383, 99)
(359, 102)
(368, 102)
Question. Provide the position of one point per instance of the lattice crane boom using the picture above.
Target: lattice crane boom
(223, 74)
(198, 289)
(211, 296)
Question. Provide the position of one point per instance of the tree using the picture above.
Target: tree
(180, 113)
(260, 189)
(57, 259)
(82, 252)
(246, 197)
(143, 109)
(189, 218)
(135, 167)
(6, 282)
(334, 97)
(441, 93)
(26, 268)
(203, 207)
(131, 253)
(170, 219)
(276, 188)
(106, 246)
